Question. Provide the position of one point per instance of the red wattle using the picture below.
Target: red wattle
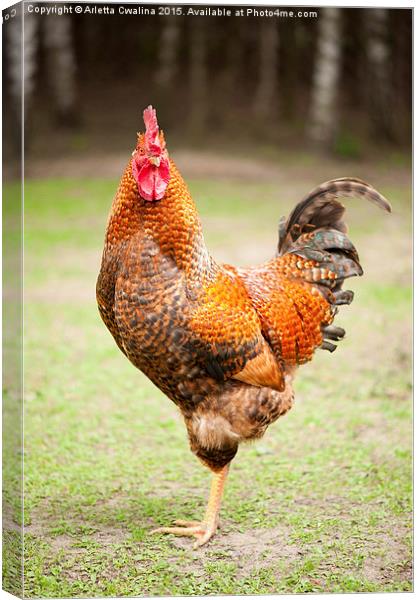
(151, 180)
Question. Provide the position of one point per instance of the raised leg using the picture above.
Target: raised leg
(205, 529)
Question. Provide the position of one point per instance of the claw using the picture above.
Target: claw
(194, 530)
(203, 539)
(202, 531)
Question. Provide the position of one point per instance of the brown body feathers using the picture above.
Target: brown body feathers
(223, 343)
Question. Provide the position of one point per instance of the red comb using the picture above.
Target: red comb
(152, 139)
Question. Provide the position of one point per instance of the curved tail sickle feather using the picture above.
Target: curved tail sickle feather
(315, 230)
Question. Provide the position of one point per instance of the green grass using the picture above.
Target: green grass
(321, 503)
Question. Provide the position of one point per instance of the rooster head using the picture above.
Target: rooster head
(150, 162)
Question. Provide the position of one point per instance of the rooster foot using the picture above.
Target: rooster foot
(201, 530)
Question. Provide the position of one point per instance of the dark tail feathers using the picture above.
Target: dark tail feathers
(315, 231)
(320, 209)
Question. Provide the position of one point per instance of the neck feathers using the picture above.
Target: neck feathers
(172, 222)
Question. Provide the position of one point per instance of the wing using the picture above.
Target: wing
(105, 296)
(229, 329)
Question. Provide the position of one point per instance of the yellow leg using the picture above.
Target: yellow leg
(203, 530)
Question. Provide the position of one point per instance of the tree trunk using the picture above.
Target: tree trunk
(323, 110)
(198, 77)
(21, 70)
(30, 48)
(229, 80)
(265, 98)
(168, 53)
(61, 67)
(379, 92)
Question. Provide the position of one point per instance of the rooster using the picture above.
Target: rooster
(223, 343)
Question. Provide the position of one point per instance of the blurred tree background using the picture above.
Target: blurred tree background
(341, 81)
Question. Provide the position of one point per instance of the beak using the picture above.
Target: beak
(155, 160)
